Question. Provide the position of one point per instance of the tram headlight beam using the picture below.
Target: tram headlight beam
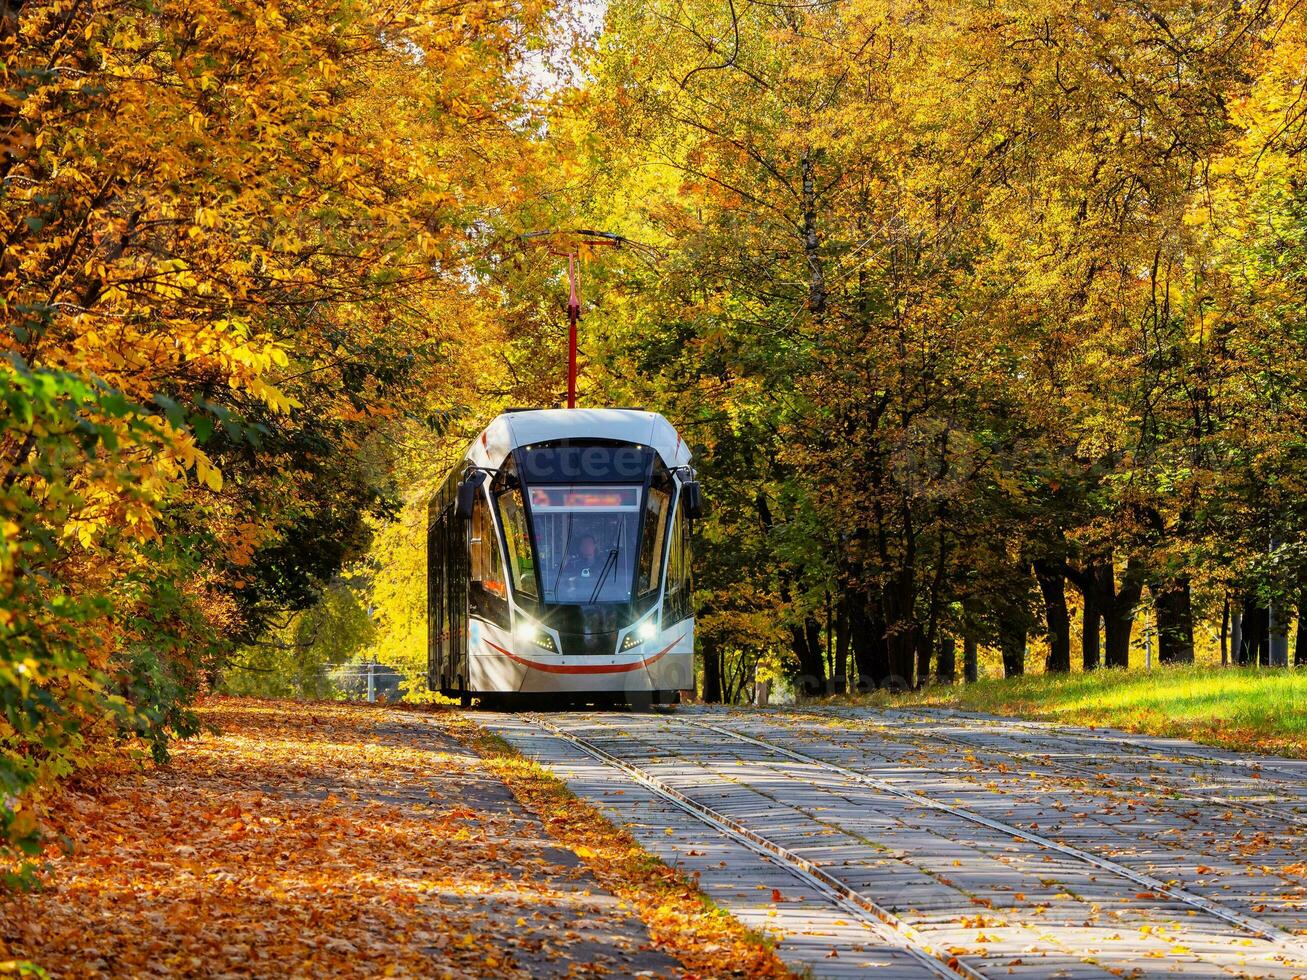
(529, 632)
(647, 629)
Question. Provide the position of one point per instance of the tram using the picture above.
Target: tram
(558, 561)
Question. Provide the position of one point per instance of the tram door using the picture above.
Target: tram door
(456, 568)
(437, 619)
(447, 569)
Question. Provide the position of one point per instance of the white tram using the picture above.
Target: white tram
(558, 560)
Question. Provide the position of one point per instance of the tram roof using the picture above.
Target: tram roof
(526, 428)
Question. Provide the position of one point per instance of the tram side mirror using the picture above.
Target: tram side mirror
(693, 495)
(467, 494)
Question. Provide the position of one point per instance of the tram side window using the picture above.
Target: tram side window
(456, 597)
(486, 565)
(652, 535)
(679, 582)
(487, 594)
(520, 563)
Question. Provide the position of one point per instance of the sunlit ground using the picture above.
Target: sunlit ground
(330, 839)
(305, 839)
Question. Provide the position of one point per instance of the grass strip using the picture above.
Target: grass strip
(1242, 708)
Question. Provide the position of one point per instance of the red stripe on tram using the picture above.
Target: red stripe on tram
(588, 668)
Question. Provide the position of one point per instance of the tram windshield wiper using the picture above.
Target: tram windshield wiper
(567, 550)
(611, 562)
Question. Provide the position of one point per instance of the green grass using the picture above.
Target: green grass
(1241, 708)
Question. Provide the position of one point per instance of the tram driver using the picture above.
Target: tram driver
(586, 564)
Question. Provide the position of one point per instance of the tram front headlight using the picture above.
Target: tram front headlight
(528, 632)
(647, 630)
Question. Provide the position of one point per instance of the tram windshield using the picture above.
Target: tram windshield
(586, 538)
(585, 525)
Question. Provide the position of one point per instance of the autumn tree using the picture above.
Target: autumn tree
(963, 274)
(237, 240)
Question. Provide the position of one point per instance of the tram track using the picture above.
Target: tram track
(1045, 760)
(882, 923)
(834, 826)
(1143, 793)
(1247, 923)
(660, 744)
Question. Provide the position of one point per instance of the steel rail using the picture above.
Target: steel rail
(1248, 923)
(882, 922)
(1044, 759)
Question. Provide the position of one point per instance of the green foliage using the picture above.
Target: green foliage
(50, 687)
(296, 660)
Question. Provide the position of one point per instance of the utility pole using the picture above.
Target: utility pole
(573, 316)
(569, 244)
(372, 684)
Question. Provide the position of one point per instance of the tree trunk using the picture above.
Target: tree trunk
(947, 660)
(812, 633)
(712, 673)
(970, 662)
(901, 631)
(1091, 621)
(1053, 587)
(1236, 636)
(867, 634)
(1225, 631)
(842, 645)
(811, 240)
(1255, 634)
(902, 646)
(1300, 635)
(1097, 583)
(1116, 633)
(923, 659)
(1012, 645)
(806, 643)
(1119, 619)
(1014, 655)
(1175, 622)
(816, 654)
(902, 659)
(829, 639)
(1277, 639)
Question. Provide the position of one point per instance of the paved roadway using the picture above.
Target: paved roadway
(926, 843)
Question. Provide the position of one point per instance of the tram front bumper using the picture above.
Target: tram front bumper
(666, 664)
